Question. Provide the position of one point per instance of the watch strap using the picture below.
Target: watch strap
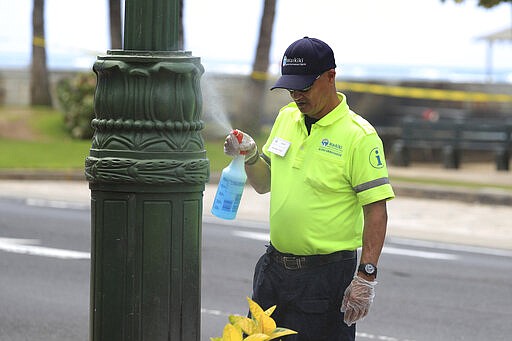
(368, 269)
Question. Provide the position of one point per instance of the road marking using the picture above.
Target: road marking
(56, 204)
(235, 223)
(252, 235)
(24, 247)
(380, 337)
(451, 247)
(420, 254)
(214, 312)
(386, 249)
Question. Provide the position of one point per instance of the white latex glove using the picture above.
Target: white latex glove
(240, 143)
(357, 300)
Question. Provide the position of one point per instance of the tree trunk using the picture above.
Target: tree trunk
(257, 83)
(262, 58)
(39, 83)
(115, 24)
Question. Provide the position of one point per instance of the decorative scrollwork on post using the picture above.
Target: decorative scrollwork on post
(112, 169)
(149, 107)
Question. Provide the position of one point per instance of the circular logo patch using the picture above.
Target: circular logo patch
(376, 158)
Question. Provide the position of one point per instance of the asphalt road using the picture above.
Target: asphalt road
(426, 291)
(44, 295)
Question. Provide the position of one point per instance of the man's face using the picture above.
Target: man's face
(313, 101)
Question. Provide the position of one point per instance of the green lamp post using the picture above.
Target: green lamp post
(147, 170)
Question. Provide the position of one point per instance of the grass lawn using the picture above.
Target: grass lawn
(36, 138)
(51, 154)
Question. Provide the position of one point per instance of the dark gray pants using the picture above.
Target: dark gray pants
(308, 299)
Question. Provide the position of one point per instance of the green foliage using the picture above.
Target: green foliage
(76, 97)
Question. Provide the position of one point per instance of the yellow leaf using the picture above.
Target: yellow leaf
(256, 337)
(233, 319)
(231, 333)
(255, 309)
(215, 339)
(278, 332)
(265, 324)
(270, 310)
(248, 326)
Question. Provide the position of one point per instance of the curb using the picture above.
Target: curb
(71, 175)
(482, 195)
(486, 196)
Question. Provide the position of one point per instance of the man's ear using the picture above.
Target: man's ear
(331, 74)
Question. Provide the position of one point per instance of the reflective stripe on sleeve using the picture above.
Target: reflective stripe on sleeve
(371, 184)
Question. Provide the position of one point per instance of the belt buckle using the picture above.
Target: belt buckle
(292, 263)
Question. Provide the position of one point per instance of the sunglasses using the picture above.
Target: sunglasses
(306, 89)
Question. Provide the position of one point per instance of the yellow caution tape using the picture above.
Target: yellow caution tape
(38, 41)
(424, 93)
(259, 75)
(411, 92)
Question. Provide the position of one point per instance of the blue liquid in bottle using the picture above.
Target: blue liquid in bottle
(230, 189)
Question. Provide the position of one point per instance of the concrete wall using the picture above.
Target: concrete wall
(15, 85)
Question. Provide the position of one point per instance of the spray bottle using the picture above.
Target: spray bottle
(231, 186)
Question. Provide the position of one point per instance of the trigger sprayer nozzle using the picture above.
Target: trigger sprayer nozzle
(239, 137)
(238, 134)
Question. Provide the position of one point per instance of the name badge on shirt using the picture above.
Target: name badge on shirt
(279, 146)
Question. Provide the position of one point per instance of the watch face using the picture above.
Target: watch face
(369, 268)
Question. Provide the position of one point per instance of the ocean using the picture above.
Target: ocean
(354, 72)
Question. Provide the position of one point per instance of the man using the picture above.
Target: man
(325, 169)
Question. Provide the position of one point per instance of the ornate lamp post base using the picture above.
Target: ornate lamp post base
(147, 170)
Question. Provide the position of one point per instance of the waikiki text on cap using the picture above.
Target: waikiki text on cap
(303, 61)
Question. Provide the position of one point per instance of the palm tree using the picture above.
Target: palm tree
(39, 80)
(257, 84)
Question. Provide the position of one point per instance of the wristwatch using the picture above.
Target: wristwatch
(368, 269)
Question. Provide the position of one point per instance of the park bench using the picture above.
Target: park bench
(452, 137)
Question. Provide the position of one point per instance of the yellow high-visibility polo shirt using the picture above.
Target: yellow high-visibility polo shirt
(319, 182)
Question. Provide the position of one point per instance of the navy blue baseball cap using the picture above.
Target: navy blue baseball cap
(303, 61)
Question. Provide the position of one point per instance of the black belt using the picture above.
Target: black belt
(293, 262)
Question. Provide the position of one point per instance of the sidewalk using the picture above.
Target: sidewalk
(468, 215)
(472, 183)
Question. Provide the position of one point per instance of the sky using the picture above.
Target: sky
(399, 33)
